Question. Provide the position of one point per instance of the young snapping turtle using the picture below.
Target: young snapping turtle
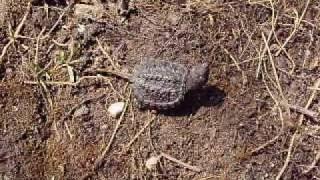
(162, 85)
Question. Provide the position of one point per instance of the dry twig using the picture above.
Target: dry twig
(193, 168)
(313, 164)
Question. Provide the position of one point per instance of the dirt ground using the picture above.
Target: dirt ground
(257, 117)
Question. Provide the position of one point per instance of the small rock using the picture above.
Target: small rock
(15, 108)
(104, 127)
(82, 111)
(116, 109)
(173, 18)
(81, 28)
(152, 162)
(88, 11)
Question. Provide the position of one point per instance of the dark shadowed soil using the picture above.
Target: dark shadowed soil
(257, 118)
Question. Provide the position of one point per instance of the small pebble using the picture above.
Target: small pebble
(15, 108)
(81, 28)
(87, 11)
(152, 162)
(116, 109)
(82, 111)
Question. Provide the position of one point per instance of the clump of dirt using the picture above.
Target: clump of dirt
(257, 118)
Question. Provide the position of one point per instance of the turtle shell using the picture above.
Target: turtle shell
(159, 84)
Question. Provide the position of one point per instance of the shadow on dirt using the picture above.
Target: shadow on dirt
(2, 71)
(208, 96)
(49, 2)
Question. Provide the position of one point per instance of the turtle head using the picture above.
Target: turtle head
(198, 76)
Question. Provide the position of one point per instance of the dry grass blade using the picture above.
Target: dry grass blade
(244, 78)
(46, 95)
(273, 67)
(296, 27)
(261, 55)
(60, 44)
(294, 136)
(274, 98)
(99, 160)
(68, 130)
(266, 42)
(74, 108)
(61, 83)
(127, 147)
(106, 54)
(273, 23)
(281, 118)
(313, 164)
(16, 33)
(36, 58)
(274, 139)
(307, 112)
(210, 178)
(193, 168)
(114, 73)
(58, 21)
(313, 88)
(58, 108)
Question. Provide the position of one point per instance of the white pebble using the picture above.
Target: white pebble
(82, 111)
(81, 28)
(152, 162)
(116, 109)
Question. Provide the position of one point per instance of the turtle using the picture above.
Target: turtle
(162, 84)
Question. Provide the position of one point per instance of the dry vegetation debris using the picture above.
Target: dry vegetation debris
(258, 119)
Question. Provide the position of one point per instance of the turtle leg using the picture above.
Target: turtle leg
(140, 105)
(154, 111)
